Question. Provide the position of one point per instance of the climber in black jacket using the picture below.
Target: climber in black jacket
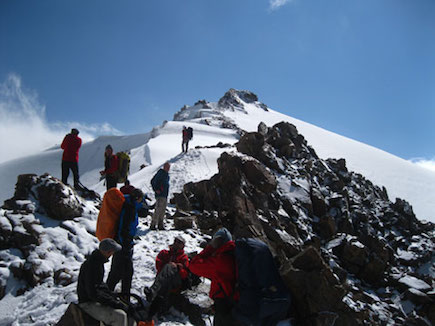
(95, 298)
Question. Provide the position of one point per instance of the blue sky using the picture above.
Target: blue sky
(362, 68)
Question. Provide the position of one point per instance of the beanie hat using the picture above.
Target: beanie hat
(224, 234)
(136, 194)
(109, 245)
(109, 147)
(74, 131)
(180, 238)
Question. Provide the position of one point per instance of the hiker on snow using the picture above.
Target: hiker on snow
(95, 298)
(172, 274)
(160, 185)
(70, 158)
(186, 138)
(217, 263)
(110, 168)
(122, 261)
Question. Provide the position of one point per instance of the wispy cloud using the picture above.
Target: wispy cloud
(24, 129)
(428, 164)
(276, 4)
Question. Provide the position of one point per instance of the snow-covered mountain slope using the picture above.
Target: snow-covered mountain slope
(49, 161)
(223, 122)
(401, 178)
(152, 149)
(41, 256)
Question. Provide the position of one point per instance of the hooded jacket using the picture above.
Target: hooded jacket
(179, 257)
(71, 145)
(90, 285)
(128, 221)
(219, 266)
(160, 183)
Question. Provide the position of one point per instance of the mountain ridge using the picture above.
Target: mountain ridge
(401, 178)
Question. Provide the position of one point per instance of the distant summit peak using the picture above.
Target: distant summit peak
(235, 99)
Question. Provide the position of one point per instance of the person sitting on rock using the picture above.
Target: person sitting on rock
(172, 274)
(94, 296)
(217, 263)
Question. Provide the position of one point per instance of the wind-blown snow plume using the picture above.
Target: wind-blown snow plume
(25, 130)
(428, 164)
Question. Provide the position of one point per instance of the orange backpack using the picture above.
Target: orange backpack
(108, 217)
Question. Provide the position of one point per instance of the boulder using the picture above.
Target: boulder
(352, 253)
(56, 200)
(320, 207)
(259, 176)
(417, 297)
(74, 316)
(208, 221)
(45, 194)
(312, 284)
(183, 222)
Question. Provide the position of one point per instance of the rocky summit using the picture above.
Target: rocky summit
(348, 254)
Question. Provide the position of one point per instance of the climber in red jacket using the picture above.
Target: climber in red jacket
(172, 272)
(70, 158)
(217, 263)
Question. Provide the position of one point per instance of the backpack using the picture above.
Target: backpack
(190, 133)
(108, 217)
(123, 167)
(140, 311)
(263, 294)
(154, 182)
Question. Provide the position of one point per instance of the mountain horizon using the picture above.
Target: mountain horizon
(236, 112)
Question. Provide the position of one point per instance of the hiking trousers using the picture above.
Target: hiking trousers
(185, 145)
(121, 270)
(106, 314)
(167, 280)
(159, 213)
(74, 167)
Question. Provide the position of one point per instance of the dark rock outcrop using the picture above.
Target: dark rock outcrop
(337, 236)
(26, 226)
(45, 195)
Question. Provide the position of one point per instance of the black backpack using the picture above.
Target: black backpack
(190, 133)
(139, 311)
(264, 298)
